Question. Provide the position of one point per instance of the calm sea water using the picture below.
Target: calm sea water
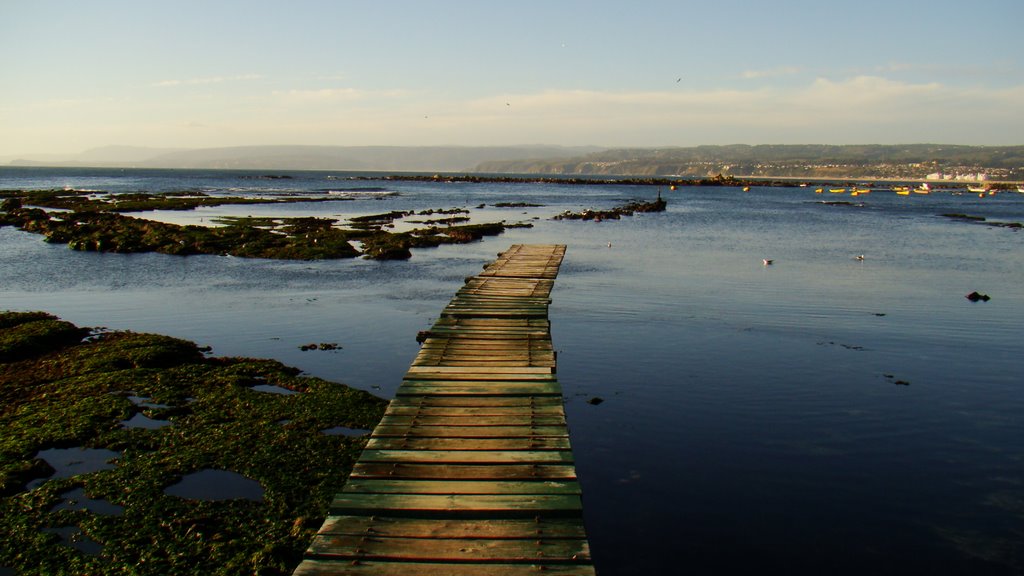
(822, 415)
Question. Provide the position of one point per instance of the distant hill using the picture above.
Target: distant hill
(874, 160)
(382, 158)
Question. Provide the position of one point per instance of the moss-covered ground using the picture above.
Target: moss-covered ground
(65, 386)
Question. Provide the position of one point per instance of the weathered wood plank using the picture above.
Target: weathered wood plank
(397, 409)
(483, 363)
(447, 371)
(450, 549)
(495, 401)
(462, 471)
(461, 443)
(508, 487)
(491, 361)
(485, 345)
(393, 527)
(479, 389)
(515, 505)
(468, 456)
(347, 567)
(474, 421)
(471, 431)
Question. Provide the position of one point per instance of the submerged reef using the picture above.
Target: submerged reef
(62, 386)
(88, 224)
(627, 209)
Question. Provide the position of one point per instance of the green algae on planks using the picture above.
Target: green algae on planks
(78, 392)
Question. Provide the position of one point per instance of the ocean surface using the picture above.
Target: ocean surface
(821, 415)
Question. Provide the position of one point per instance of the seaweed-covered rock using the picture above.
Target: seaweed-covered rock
(627, 209)
(28, 334)
(79, 395)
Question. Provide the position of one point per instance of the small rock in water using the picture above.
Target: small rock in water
(975, 296)
(320, 346)
(595, 400)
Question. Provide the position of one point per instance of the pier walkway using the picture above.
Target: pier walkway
(470, 471)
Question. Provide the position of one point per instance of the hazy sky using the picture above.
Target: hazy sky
(78, 74)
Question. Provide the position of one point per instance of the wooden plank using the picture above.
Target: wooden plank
(496, 401)
(393, 527)
(461, 471)
(398, 409)
(392, 486)
(486, 356)
(480, 389)
(473, 421)
(523, 370)
(471, 431)
(502, 505)
(427, 374)
(346, 567)
(468, 456)
(486, 361)
(462, 443)
(486, 345)
(489, 355)
(450, 549)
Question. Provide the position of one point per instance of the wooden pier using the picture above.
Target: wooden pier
(470, 471)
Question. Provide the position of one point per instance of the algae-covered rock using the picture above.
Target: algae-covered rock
(79, 393)
(27, 334)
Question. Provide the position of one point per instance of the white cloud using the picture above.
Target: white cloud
(207, 80)
(770, 73)
(320, 95)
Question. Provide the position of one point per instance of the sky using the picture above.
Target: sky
(206, 73)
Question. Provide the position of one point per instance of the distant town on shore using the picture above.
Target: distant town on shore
(811, 161)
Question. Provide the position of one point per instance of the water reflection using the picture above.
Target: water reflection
(68, 462)
(272, 389)
(75, 499)
(72, 536)
(140, 420)
(343, 431)
(210, 484)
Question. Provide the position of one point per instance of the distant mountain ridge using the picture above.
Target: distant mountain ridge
(905, 161)
(800, 160)
(377, 158)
